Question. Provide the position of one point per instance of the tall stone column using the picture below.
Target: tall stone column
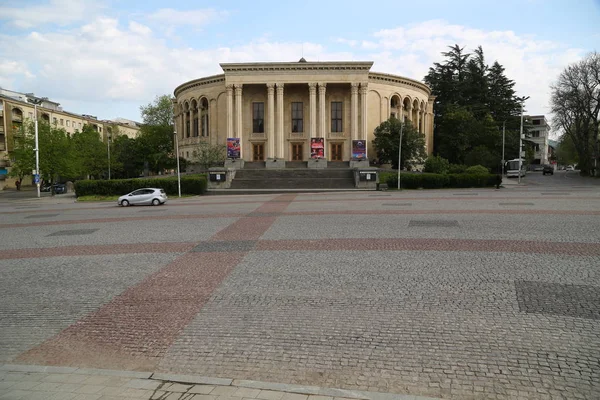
(229, 110)
(271, 119)
(364, 110)
(212, 121)
(238, 118)
(312, 91)
(354, 107)
(383, 115)
(322, 108)
(280, 113)
(409, 112)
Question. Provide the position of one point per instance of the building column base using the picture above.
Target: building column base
(275, 163)
(363, 163)
(317, 163)
(238, 163)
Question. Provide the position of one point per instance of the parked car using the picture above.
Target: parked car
(145, 196)
(570, 168)
(60, 188)
(548, 169)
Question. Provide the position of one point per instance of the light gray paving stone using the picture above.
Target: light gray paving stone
(294, 396)
(110, 372)
(224, 391)
(37, 368)
(87, 396)
(269, 395)
(204, 397)
(201, 389)
(246, 393)
(143, 384)
(89, 389)
(176, 387)
(24, 385)
(203, 380)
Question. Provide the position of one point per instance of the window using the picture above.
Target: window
(537, 121)
(297, 117)
(336, 116)
(187, 154)
(54, 120)
(68, 123)
(62, 122)
(258, 117)
(30, 115)
(79, 125)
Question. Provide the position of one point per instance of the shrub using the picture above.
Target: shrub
(457, 168)
(190, 184)
(436, 165)
(438, 181)
(477, 169)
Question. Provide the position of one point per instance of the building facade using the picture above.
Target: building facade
(539, 134)
(274, 109)
(16, 108)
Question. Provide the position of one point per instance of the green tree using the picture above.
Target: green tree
(473, 102)
(566, 153)
(23, 153)
(90, 152)
(158, 113)
(57, 159)
(387, 140)
(575, 104)
(436, 165)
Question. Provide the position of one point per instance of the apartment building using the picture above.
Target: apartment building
(16, 108)
(539, 134)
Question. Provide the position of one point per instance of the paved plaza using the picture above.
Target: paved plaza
(462, 294)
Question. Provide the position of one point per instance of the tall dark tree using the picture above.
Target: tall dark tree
(156, 142)
(90, 152)
(473, 103)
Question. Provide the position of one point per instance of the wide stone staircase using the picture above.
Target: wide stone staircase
(293, 179)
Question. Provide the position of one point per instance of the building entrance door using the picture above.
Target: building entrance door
(258, 152)
(297, 151)
(336, 152)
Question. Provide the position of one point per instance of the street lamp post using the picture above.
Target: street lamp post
(503, 135)
(35, 102)
(108, 148)
(400, 154)
(521, 141)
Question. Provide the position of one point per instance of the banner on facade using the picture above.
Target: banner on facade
(317, 148)
(233, 148)
(359, 149)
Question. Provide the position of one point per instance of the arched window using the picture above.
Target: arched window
(194, 112)
(204, 116)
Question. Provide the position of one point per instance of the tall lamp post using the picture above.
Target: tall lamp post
(108, 148)
(37, 144)
(503, 136)
(176, 146)
(400, 154)
(521, 141)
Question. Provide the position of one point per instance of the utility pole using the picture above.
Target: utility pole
(37, 175)
(503, 136)
(400, 155)
(521, 140)
(108, 147)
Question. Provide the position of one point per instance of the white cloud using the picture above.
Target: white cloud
(61, 12)
(531, 62)
(172, 17)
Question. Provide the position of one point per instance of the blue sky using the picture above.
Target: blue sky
(107, 58)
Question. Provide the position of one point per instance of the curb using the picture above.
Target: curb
(202, 380)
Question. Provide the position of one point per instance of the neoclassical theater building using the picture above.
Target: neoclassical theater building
(275, 108)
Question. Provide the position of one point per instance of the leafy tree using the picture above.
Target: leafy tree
(576, 106)
(159, 113)
(473, 102)
(23, 153)
(57, 159)
(436, 165)
(127, 158)
(387, 138)
(566, 153)
(90, 152)
(208, 155)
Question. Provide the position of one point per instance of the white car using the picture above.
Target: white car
(145, 196)
(570, 168)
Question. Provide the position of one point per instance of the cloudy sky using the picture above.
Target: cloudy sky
(108, 57)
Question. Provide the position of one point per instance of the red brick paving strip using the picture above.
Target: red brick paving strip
(407, 244)
(136, 328)
(252, 228)
(84, 250)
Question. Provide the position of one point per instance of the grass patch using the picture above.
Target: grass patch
(93, 197)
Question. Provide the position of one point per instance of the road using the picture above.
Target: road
(474, 293)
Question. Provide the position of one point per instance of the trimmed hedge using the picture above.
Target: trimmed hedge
(190, 184)
(438, 181)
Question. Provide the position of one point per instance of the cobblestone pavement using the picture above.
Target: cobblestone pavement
(448, 294)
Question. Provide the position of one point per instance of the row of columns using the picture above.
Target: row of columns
(277, 120)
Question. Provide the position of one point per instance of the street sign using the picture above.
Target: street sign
(36, 179)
